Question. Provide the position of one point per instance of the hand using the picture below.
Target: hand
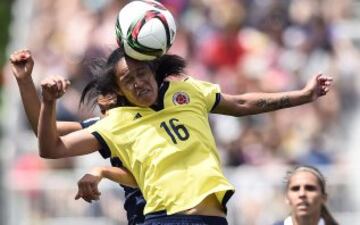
(106, 102)
(318, 86)
(22, 64)
(54, 87)
(88, 186)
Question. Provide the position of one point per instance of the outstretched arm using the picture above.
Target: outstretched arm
(22, 65)
(254, 103)
(51, 144)
(88, 184)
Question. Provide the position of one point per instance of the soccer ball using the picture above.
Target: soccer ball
(145, 29)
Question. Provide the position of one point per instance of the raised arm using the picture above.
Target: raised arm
(22, 65)
(88, 184)
(51, 144)
(254, 103)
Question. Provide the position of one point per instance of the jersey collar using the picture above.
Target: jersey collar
(160, 101)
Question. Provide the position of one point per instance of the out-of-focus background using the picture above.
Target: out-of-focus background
(245, 46)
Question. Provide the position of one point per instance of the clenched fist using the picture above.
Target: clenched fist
(318, 86)
(53, 88)
(22, 64)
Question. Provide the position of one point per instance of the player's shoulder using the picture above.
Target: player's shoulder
(177, 77)
(187, 80)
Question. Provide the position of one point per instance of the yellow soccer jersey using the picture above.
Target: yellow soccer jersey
(169, 149)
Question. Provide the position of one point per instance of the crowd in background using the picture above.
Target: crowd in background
(243, 45)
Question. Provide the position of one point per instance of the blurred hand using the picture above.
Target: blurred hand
(22, 64)
(318, 86)
(88, 186)
(106, 102)
(54, 87)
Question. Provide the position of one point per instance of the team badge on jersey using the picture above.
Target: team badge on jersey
(181, 98)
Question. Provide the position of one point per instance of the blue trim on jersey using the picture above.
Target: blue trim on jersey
(226, 198)
(88, 122)
(104, 150)
(217, 100)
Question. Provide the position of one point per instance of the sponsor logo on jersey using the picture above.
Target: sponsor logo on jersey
(137, 116)
(181, 98)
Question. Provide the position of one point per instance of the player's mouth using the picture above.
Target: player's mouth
(302, 205)
(142, 93)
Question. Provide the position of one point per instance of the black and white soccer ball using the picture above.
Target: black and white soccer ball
(145, 29)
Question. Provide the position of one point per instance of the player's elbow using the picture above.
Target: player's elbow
(47, 155)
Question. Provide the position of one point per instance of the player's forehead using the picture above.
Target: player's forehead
(303, 178)
(127, 66)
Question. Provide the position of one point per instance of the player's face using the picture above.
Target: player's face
(304, 194)
(137, 82)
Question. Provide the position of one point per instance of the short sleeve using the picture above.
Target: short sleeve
(102, 136)
(211, 93)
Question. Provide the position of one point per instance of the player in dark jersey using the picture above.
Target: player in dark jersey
(134, 200)
(306, 195)
(22, 65)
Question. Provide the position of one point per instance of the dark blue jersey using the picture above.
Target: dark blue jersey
(288, 221)
(134, 201)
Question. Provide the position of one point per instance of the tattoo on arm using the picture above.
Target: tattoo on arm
(270, 104)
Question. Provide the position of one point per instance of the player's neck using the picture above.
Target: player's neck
(307, 220)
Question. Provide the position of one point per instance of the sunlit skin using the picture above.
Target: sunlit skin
(305, 197)
(136, 82)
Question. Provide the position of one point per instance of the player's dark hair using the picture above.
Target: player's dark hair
(168, 65)
(103, 80)
(325, 213)
(104, 75)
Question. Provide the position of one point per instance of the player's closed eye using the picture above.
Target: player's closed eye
(310, 188)
(295, 188)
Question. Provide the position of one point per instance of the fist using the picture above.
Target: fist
(22, 63)
(54, 87)
(318, 86)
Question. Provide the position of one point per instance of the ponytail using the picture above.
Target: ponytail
(326, 215)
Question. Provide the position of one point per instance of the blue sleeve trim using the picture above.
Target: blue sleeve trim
(217, 100)
(89, 122)
(226, 198)
(116, 162)
(104, 150)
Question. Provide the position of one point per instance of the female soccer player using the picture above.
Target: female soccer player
(22, 65)
(162, 135)
(306, 195)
